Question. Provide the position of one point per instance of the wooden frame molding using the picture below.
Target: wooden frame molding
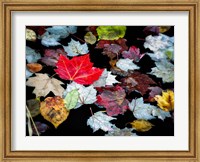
(192, 6)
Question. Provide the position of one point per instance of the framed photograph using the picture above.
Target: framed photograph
(100, 81)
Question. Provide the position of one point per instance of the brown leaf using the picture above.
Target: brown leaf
(34, 67)
(137, 81)
(53, 110)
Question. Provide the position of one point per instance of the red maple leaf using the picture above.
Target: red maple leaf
(113, 99)
(78, 69)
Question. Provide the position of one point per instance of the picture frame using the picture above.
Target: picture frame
(192, 155)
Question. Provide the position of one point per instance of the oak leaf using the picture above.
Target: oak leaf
(43, 85)
(78, 69)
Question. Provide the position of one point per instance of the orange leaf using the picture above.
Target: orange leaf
(34, 67)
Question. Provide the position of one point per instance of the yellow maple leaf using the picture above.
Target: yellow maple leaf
(53, 110)
(141, 125)
(166, 101)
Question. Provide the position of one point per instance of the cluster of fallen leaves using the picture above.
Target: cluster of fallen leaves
(72, 79)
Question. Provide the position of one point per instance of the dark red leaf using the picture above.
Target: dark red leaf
(137, 81)
(113, 99)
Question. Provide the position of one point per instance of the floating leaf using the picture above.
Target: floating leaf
(33, 106)
(106, 78)
(43, 85)
(51, 56)
(41, 127)
(100, 121)
(151, 30)
(111, 50)
(165, 70)
(34, 67)
(113, 99)
(32, 55)
(146, 111)
(78, 69)
(133, 53)
(74, 48)
(30, 35)
(121, 132)
(111, 32)
(166, 101)
(50, 40)
(158, 43)
(137, 81)
(141, 125)
(163, 29)
(90, 38)
(154, 91)
(71, 99)
(28, 73)
(53, 110)
(87, 95)
(126, 64)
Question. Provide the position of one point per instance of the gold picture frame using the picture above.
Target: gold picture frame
(192, 6)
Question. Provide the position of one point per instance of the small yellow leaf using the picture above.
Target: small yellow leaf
(141, 125)
(53, 110)
(166, 101)
(163, 29)
(90, 38)
(30, 35)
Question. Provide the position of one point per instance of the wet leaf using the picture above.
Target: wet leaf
(74, 48)
(32, 55)
(166, 101)
(33, 106)
(87, 95)
(78, 69)
(111, 32)
(34, 67)
(126, 64)
(133, 53)
(71, 99)
(53, 110)
(137, 81)
(141, 125)
(146, 111)
(43, 85)
(113, 99)
(90, 38)
(100, 121)
(51, 56)
(121, 132)
(31, 35)
(50, 39)
(41, 127)
(165, 70)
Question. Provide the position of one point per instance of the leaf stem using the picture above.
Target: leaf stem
(78, 38)
(32, 121)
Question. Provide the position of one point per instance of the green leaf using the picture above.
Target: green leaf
(90, 38)
(111, 32)
(71, 99)
(33, 106)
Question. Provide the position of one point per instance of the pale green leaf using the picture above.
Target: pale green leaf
(71, 99)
